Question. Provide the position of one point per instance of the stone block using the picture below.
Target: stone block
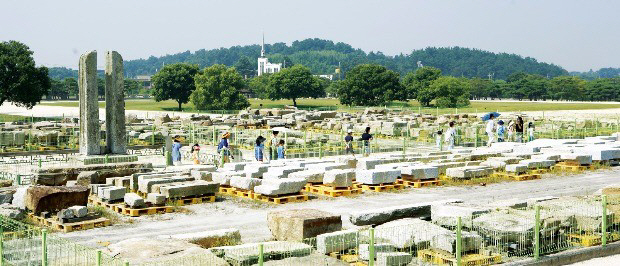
(384, 215)
(421, 171)
(133, 183)
(470, 241)
(393, 258)
(201, 175)
(312, 176)
(52, 199)
(408, 233)
(86, 178)
(65, 214)
(234, 166)
(537, 163)
(247, 254)
(469, 172)
(516, 168)
(351, 162)
(339, 178)
(274, 187)
(336, 241)
(134, 201)
(193, 189)
(145, 185)
(297, 225)
(223, 178)
(447, 215)
(79, 211)
(94, 188)
(205, 239)
(111, 193)
(156, 198)
(375, 177)
(244, 182)
(582, 159)
(364, 250)
(496, 165)
(322, 167)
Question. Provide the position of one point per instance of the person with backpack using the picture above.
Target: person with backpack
(501, 130)
(348, 143)
(223, 149)
(281, 150)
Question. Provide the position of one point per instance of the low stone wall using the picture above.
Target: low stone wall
(58, 176)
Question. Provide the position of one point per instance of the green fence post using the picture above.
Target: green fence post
(371, 247)
(18, 179)
(320, 149)
(40, 163)
(261, 258)
(537, 234)
(604, 226)
(44, 247)
(214, 140)
(107, 159)
(98, 257)
(1, 247)
(404, 146)
(153, 136)
(459, 244)
(476, 138)
(168, 158)
(126, 263)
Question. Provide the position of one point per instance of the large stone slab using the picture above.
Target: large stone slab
(116, 135)
(384, 215)
(244, 182)
(111, 193)
(57, 176)
(206, 239)
(470, 241)
(579, 158)
(336, 241)
(447, 214)
(193, 189)
(297, 225)
(339, 178)
(420, 172)
(89, 107)
(469, 172)
(516, 168)
(364, 250)
(408, 233)
(312, 176)
(275, 187)
(52, 199)
(134, 201)
(144, 185)
(375, 177)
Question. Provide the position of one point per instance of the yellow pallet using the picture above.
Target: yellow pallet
(248, 194)
(124, 210)
(352, 259)
(329, 191)
(227, 190)
(519, 177)
(192, 200)
(588, 240)
(382, 187)
(445, 258)
(539, 171)
(419, 183)
(281, 199)
(70, 227)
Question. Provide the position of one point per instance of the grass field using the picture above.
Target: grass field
(476, 106)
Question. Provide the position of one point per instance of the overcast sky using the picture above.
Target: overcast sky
(576, 34)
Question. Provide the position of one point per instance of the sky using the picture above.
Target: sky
(578, 35)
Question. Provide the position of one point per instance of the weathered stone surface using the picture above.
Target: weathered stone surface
(516, 168)
(470, 241)
(408, 232)
(582, 159)
(281, 172)
(134, 201)
(133, 183)
(65, 214)
(57, 176)
(312, 176)
(274, 187)
(339, 178)
(12, 212)
(244, 182)
(384, 215)
(116, 135)
(156, 198)
(247, 254)
(205, 239)
(19, 197)
(152, 250)
(469, 171)
(52, 199)
(296, 225)
(364, 250)
(505, 227)
(145, 185)
(374, 177)
(336, 241)
(86, 178)
(393, 258)
(447, 215)
(223, 178)
(89, 107)
(79, 211)
(202, 175)
(197, 188)
(349, 161)
(537, 163)
(111, 193)
(420, 171)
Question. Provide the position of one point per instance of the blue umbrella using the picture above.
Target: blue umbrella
(488, 116)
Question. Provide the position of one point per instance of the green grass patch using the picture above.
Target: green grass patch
(334, 104)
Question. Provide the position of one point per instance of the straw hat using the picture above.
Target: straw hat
(226, 134)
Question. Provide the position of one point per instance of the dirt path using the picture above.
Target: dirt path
(251, 219)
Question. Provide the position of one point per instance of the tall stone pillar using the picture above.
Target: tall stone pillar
(116, 137)
(89, 108)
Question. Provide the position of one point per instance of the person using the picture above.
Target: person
(438, 139)
(530, 131)
(450, 135)
(223, 148)
(259, 149)
(490, 130)
(519, 129)
(348, 143)
(176, 151)
(501, 130)
(281, 150)
(195, 153)
(273, 145)
(511, 130)
(366, 138)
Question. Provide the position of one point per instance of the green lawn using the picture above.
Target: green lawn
(150, 105)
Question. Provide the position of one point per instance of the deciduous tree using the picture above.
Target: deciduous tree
(21, 82)
(176, 82)
(293, 83)
(219, 88)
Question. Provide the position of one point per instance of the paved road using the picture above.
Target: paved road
(251, 218)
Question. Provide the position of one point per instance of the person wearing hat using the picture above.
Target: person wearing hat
(176, 150)
(223, 148)
(273, 148)
(348, 143)
(500, 131)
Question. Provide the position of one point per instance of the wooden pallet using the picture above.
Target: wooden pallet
(227, 190)
(192, 200)
(571, 167)
(539, 171)
(589, 240)
(419, 183)
(520, 177)
(244, 193)
(281, 199)
(325, 190)
(444, 258)
(381, 187)
(351, 259)
(121, 208)
(54, 224)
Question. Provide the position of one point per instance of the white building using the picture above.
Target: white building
(263, 63)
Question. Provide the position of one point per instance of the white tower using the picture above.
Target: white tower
(263, 63)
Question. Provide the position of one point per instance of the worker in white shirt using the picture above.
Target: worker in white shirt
(450, 136)
(490, 130)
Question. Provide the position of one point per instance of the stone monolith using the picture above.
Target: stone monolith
(89, 108)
